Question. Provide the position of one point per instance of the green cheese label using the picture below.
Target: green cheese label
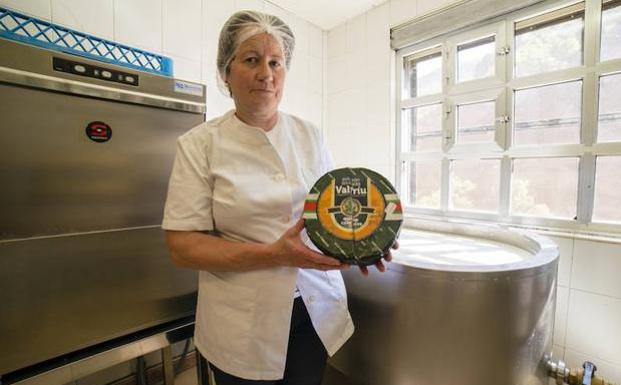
(353, 214)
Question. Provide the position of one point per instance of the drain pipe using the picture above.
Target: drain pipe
(558, 370)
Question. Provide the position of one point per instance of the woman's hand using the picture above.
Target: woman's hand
(289, 250)
(379, 265)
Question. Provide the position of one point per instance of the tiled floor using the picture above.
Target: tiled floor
(187, 377)
(331, 377)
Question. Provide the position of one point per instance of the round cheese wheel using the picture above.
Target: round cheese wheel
(354, 215)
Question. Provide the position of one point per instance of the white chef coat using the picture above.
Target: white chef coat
(228, 176)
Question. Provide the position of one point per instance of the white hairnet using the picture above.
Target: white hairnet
(243, 25)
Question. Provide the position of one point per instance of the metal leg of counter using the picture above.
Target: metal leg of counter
(167, 365)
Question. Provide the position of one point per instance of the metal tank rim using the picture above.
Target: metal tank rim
(544, 251)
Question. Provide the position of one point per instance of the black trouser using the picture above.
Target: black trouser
(306, 356)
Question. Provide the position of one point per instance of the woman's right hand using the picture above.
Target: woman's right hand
(290, 250)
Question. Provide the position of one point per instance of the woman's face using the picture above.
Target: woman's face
(257, 74)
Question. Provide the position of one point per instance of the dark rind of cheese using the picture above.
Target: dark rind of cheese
(370, 248)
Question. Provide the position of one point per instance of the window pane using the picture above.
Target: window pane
(611, 32)
(607, 207)
(426, 128)
(424, 74)
(475, 184)
(545, 187)
(476, 122)
(609, 120)
(548, 115)
(476, 60)
(424, 183)
(549, 45)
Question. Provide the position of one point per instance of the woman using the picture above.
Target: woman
(270, 308)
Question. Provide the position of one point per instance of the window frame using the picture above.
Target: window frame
(405, 133)
(498, 29)
(587, 150)
(498, 96)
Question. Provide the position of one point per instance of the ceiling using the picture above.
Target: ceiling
(327, 14)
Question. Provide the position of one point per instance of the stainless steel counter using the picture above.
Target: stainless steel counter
(82, 257)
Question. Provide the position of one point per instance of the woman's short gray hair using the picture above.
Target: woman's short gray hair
(243, 25)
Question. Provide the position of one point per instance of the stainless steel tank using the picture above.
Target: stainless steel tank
(460, 305)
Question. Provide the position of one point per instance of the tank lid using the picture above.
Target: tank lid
(471, 248)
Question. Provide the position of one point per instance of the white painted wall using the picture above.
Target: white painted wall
(187, 31)
(360, 131)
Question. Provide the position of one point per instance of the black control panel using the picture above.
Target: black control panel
(92, 71)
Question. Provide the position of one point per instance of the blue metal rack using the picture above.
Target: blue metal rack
(27, 29)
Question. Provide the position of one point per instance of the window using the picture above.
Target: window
(611, 30)
(607, 186)
(476, 122)
(517, 120)
(545, 187)
(552, 41)
(424, 72)
(425, 127)
(609, 116)
(424, 189)
(548, 114)
(475, 184)
(475, 60)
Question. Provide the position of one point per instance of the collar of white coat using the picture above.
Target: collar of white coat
(247, 133)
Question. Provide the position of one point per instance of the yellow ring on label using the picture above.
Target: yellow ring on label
(352, 211)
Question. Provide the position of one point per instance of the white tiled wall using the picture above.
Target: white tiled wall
(187, 31)
(588, 305)
(95, 16)
(592, 289)
(359, 123)
(359, 92)
(597, 268)
(39, 8)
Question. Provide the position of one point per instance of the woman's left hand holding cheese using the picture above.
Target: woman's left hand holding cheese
(379, 265)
